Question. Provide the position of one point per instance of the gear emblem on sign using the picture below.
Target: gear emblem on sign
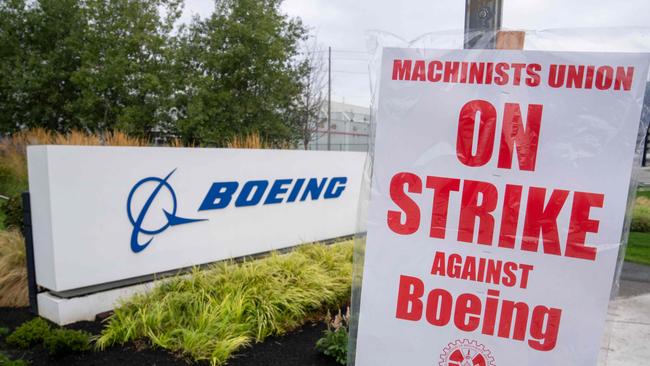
(466, 353)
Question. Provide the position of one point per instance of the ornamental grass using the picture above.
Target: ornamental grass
(13, 271)
(212, 313)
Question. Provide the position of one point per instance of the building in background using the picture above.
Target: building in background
(350, 130)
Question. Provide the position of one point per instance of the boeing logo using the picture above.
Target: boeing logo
(221, 194)
(170, 216)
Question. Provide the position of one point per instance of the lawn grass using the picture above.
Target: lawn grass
(638, 248)
(643, 193)
(212, 313)
(638, 245)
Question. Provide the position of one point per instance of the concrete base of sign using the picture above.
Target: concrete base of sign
(66, 311)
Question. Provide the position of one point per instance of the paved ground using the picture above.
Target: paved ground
(644, 176)
(629, 320)
(629, 315)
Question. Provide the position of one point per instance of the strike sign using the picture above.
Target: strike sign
(499, 194)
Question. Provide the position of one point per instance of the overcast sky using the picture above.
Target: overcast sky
(342, 24)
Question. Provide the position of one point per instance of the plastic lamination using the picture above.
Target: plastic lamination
(631, 40)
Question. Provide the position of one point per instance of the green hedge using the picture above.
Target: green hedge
(57, 341)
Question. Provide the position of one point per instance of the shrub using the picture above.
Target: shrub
(4, 331)
(212, 313)
(6, 361)
(11, 183)
(13, 271)
(13, 210)
(13, 172)
(64, 341)
(29, 333)
(335, 341)
(58, 341)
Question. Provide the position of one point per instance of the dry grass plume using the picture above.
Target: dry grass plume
(255, 141)
(13, 271)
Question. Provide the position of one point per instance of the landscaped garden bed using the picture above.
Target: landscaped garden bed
(268, 311)
(295, 348)
(213, 313)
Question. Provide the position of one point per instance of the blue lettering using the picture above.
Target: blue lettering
(277, 189)
(245, 200)
(335, 188)
(296, 189)
(219, 196)
(313, 188)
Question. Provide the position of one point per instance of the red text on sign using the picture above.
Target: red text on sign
(516, 137)
(469, 313)
(480, 203)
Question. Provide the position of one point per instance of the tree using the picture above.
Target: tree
(38, 54)
(313, 83)
(100, 65)
(242, 73)
(86, 64)
(126, 65)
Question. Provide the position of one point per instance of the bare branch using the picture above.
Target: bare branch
(314, 83)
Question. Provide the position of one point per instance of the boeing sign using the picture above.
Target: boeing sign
(151, 210)
(220, 195)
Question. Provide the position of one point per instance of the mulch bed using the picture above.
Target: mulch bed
(293, 349)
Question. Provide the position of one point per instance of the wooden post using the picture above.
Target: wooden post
(510, 40)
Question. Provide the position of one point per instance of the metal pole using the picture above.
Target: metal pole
(644, 157)
(645, 117)
(29, 253)
(329, 98)
(482, 22)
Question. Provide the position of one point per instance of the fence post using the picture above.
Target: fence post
(645, 117)
(482, 22)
